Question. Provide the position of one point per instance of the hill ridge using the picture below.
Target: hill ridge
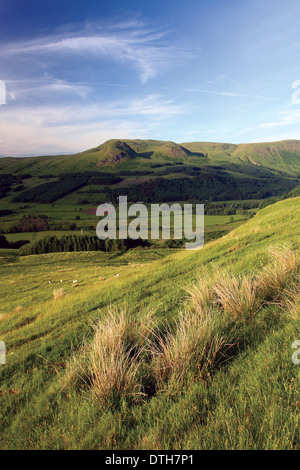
(281, 158)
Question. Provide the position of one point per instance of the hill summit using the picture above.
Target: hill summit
(280, 158)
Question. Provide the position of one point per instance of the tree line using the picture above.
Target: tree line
(71, 243)
(67, 183)
(4, 243)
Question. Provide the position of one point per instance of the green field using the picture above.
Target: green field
(63, 213)
(246, 398)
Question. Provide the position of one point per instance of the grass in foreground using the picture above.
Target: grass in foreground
(247, 399)
(206, 334)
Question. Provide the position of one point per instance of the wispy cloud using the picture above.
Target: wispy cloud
(126, 42)
(46, 89)
(221, 93)
(287, 118)
(232, 94)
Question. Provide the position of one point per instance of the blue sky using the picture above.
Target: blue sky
(79, 72)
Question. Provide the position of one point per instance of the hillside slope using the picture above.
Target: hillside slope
(283, 158)
(250, 403)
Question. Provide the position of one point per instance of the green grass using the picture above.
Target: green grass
(249, 402)
(142, 154)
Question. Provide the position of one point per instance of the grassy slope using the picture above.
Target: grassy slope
(277, 156)
(282, 156)
(259, 390)
(295, 192)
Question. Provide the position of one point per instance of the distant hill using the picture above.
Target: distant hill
(280, 158)
(157, 171)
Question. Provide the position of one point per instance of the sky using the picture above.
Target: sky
(75, 73)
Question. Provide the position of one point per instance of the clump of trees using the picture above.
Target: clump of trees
(6, 182)
(51, 191)
(229, 208)
(69, 243)
(4, 243)
(5, 212)
(30, 223)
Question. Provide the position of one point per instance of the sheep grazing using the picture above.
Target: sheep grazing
(76, 280)
(117, 275)
(50, 282)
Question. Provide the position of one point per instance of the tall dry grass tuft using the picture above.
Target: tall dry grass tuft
(110, 367)
(290, 302)
(115, 354)
(201, 293)
(279, 274)
(188, 352)
(114, 364)
(237, 296)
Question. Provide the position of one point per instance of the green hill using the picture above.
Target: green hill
(214, 361)
(156, 171)
(279, 157)
(295, 192)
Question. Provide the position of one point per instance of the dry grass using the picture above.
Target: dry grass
(279, 274)
(192, 349)
(114, 366)
(201, 293)
(242, 296)
(237, 296)
(129, 351)
(292, 307)
(290, 302)
(58, 294)
(115, 355)
(110, 366)
(151, 441)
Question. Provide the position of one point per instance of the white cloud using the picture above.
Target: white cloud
(221, 93)
(47, 89)
(154, 106)
(233, 94)
(292, 135)
(127, 43)
(48, 129)
(287, 118)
